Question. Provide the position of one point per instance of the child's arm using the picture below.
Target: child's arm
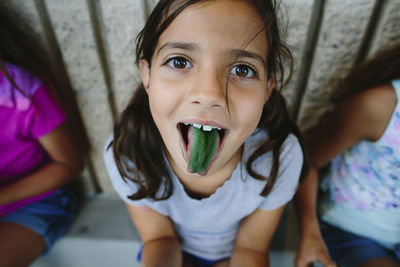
(312, 247)
(161, 246)
(363, 116)
(66, 165)
(254, 238)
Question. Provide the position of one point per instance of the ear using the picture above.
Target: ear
(145, 71)
(270, 87)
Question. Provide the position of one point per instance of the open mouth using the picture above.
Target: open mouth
(201, 145)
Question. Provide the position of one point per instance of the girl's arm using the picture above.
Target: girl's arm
(360, 117)
(254, 238)
(161, 246)
(66, 165)
(312, 247)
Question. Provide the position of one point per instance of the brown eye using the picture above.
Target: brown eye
(179, 63)
(243, 71)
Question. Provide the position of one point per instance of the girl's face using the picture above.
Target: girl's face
(209, 68)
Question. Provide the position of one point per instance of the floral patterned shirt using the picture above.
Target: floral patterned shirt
(367, 176)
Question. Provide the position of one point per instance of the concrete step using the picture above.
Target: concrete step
(103, 236)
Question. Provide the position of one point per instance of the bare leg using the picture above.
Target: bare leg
(380, 262)
(19, 246)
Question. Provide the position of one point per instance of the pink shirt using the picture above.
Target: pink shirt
(23, 120)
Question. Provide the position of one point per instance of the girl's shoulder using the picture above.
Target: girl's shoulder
(27, 85)
(379, 103)
(383, 92)
(377, 98)
(369, 111)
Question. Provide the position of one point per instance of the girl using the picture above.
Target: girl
(205, 155)
(37, 154)
(359, 207)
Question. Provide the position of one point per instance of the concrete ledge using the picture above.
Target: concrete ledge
(103, 235)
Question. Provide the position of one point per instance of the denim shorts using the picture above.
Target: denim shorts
(49, 217)
(348, 249)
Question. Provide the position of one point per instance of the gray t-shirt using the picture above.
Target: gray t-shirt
(208, 227)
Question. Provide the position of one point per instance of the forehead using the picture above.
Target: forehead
(234, 24)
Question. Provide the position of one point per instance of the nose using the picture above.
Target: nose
(209, 90)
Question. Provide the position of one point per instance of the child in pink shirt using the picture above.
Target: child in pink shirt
(37, 154)
(26, 115)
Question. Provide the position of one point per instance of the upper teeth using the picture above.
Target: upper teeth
(205, 127)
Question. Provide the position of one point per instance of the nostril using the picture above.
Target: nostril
(212, 105)
(211, 97)
(216, 106)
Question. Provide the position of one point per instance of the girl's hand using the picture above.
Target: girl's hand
(313, 249)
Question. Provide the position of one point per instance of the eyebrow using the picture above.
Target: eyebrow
(245, 53)
(178, 45)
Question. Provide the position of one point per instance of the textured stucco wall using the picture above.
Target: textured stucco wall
(98, 60)
(343, 25)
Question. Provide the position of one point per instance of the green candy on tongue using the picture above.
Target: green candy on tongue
(204, 145)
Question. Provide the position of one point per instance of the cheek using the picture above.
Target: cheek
(249, 109)
(164, 104)
(250, 115)
(159, 98)
(157, 108)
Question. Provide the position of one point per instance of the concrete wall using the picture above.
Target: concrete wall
(91, 44)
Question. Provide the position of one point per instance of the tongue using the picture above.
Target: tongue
(202, 147)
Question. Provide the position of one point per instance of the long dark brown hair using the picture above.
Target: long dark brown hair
(137, 139)
(21, 46)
